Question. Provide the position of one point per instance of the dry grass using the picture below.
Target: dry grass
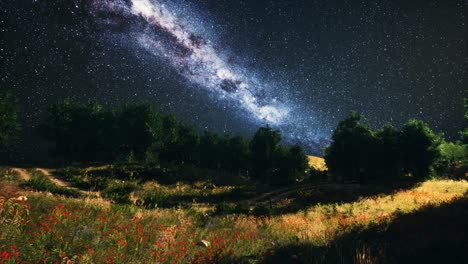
(99, 227)
(317, 163)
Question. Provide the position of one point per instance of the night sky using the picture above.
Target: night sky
(232, 66)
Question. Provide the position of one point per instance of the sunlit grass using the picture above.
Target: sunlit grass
(92, 230)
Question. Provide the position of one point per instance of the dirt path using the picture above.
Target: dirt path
(23, 175)
(54, 179)
(65, 184)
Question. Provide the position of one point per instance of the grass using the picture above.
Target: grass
(40, 182)
(317, 163)
(178, 229)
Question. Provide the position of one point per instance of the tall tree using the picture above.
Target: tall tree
(9, 125)
(210, 150)
(291, 164)
(262, 147)
(420, 148)
(387, 161)
(349, 154)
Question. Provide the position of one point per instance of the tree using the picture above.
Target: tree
(291, 163)
(9, 125)
(464, 132)
(138, 128)
(187, 143)
(420, 148)
(352, 148)
(263, 147)
(89, 132)
(237, 154)
(209, 150)
(387, 161)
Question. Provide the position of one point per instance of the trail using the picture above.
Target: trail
(52, 178)
(23, 175)
(65, 184)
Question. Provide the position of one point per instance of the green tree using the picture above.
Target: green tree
(209, 149)
(237, 154)
(262, 147)
(420, 148)
(387, 161)
(9, 125)
(464, 132)
(351, 151)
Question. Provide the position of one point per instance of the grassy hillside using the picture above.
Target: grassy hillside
(193, 223)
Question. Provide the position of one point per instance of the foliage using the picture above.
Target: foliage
(263, 146)
(262, 209)
(40, 182)
(359, 153)
(420, 148)
(9, 126)
(65, 230)
(155, 199)
(349, 154)
(119, 191)
(135, 134)
(452, 161)
(274, 163)
(87, 132)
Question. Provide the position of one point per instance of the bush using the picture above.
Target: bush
(73, 175)
(262, 209)
(98, 183)
(156, 199)
(242, 208)
(225, 208)
(119, 192)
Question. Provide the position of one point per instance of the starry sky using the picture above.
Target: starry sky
(232, 66)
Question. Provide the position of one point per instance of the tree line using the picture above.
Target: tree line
(139, 133)
(89, 132)
(359, 153)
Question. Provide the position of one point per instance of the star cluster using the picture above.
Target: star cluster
(231, 66)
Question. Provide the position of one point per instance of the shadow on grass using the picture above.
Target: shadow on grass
(337, 193)
(432, 235)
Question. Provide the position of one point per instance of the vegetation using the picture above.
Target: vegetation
(9, 123)
(358, 153)
(149, 189)
(38, 227)
(40, 182)
(138, 133)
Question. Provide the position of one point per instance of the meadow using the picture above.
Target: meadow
(101, 215)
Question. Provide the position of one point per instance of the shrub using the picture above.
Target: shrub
(262, 209)
(156, 199)
(242, 208)
(98, 183)
(225, 208)
(73, 175)
(119, 192)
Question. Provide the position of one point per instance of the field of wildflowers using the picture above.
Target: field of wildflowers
(37, 227)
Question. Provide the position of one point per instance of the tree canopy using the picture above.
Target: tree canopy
(9, 125)
(89, 132)
(359, 153)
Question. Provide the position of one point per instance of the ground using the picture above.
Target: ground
(129, 215)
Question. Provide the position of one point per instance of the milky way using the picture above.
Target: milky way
(232, 66)
(165, 35)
